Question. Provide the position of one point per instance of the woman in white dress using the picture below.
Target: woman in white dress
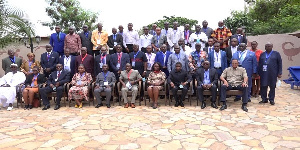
(8, 84)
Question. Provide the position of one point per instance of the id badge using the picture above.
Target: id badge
(133, 64)
(143, 79)
(118, 65)
(66, 68)
(56, 80)
(265, 67)
(115, 43)
(198, 64)
(128, 85)
(149, 66)
(180, 86)
(98, 41)
(30, 70)
(100, 64)
(105, 83)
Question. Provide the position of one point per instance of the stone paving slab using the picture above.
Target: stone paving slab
(263, 127)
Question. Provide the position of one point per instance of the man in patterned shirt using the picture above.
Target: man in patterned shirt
(73, 42)
(222, 35)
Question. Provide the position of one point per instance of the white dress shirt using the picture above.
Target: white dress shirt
(67, 63)
(130, 37)
(210, 49)
(199, 36)
(175, 35)
(187, 51)
(145, 40)
(217, 59)
(233, 50)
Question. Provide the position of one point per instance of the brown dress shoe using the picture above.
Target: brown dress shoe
(132, 105)
(126, 105)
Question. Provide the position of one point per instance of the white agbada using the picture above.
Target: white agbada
(195, 36)
(8, 94)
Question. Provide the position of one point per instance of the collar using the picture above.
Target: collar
(206, 70)
(178, 71)
(68, 57)
(233, 47)
(49, 52)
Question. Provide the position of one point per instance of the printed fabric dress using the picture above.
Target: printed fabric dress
(80, 92)
(157, 77)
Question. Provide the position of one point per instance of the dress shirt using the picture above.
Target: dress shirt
(145, 40)
(177, 77)
(242, 56)
(175, 35)
(186, 34)
(233, 50)
(67, 63)
(206, 77)
(210, 49)
(198, 36)
(217, 59)
(234, 77)
(187, 51)
(73, 43)
(130, 37)
(151, 60)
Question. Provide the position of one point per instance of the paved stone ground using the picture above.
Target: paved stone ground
(263, 127)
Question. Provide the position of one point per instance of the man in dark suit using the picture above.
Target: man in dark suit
(100, 60)
(210, 47)
(207, 79)
(218, 59)
(118, 61)
(187, 33)
(240, 36)
(57, 41)
(114, 40)
(68, 62)
(55, 83)
(85, 37)
(85, 59)
(162, 57)
(11, 59)
(49, 60)
(230, 50)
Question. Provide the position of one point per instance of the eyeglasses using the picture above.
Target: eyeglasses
(58, 67)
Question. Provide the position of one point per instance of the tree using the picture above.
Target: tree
(181, 21)
(267, 17)
(12, 25)
(68, 13)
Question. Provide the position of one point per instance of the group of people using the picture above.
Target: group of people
(178, 57)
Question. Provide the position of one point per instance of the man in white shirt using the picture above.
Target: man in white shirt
(184, 48)
(210, 47)
(130, 38)
(145, 40)
(167, 32)
(175, 35)
(198, 37)
(151, 59)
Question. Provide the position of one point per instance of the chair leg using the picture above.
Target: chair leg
(119, 100)
(189, 97)
(165, 100)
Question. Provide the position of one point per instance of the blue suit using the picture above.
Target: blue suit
(160, 58)
(58, 45)
(211, 59)
(250, 64)
(72, 65)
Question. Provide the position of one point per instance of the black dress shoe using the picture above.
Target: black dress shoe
(223, 107)
(261, 102)
(272, 103)
(46, 107)
(249, 100)
(181, 104)
(26, 107)
(108, 105)
(203, 105)
(244, 108)
(30, 107)
(57, 107)
(176, 104)
(99, 105)
(237, 99)
(213, 105)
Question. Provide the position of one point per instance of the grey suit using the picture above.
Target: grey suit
(183, 59)
(6, 62)
(162, 40)
(86, 41)
(111, 79)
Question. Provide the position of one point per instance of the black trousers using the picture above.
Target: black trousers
(263, 93)
(130, 47)
(184, 92)
(213, 90)
(44, 92)
(239, 87)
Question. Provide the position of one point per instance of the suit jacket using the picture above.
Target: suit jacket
(119, 40)
(25, 66)
(228, 55)
(160, 58)
(103, 38)
(58, 45)
(40, 79)
(243, 39)
(88, 63)
(97, 62)
(72, 65)
(6, 62)
(63, 78)
(114, 61)
(206, 49)
(86, 41)
(211, 58)
(53, 60)
(249, 63)
(152, 32)
(213, 76)
(162, 40)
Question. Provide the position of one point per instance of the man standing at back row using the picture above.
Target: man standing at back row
(86, 37)
(73, 42)
(130, 38)
(222, 35)
(57, 41)
(99, 39)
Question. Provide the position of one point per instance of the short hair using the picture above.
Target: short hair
(235, 59)
(160, 66)
(178, 63)
(81, 65)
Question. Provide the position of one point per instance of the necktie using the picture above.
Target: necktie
(58, 36)
(58, 75)
(48, 56)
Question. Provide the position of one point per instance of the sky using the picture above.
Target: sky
(113, 13)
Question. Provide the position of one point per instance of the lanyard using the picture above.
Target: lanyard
(86, 34)
(129, 73)
(82, 59)
(178, 56)
(149, 56)
(29, 63)
(198, 34)
(48, 56)
(134, 56)
(146, 36)
(81, 76)
(13, 60)
(67, 59)
(114, 37)
(187, 33)
(206, 73)
(158, 37)
(175, 31)
(119, 57)
(204, 29)
(267, 56)
(217, 54)
(35, 77)
(102, 58)
(105, 75)
(241, 54)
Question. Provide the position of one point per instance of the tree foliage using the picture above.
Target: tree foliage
(13, 26)
(181, 21)
(68, 13)
(267, 17)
